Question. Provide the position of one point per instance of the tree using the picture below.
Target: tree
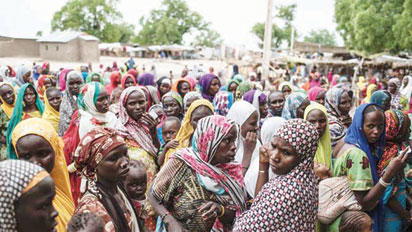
(95, 17)
(207, 38)
(170, 23)
(39, 33)
(323, 37)
(280, 34)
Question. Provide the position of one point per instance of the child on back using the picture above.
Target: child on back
(169, 131)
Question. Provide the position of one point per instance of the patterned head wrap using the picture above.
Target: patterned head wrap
(293, 101)
(190, 95)
(15, 176)
(176, 96)
(379, 97)
(222, 102)
(125, 77)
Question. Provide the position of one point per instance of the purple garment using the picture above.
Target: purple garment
(146, 79)
(250, 95)
(205, 82)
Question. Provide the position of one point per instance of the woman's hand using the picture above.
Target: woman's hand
(396, 165)
(149, 121)
(249, 143)
(210, 210)
(263, 155)
(173, 224)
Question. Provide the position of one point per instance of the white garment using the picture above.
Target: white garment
(406, 91)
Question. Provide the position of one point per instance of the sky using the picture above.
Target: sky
(233, 19)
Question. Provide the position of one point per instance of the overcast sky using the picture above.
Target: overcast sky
(233, 19)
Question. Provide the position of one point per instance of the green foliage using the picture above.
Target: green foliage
(323, 37)
(280, 34)
(95, 17)
(207, 38)
(374, 26)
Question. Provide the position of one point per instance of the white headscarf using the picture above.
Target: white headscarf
(406, 91)
(269, 128)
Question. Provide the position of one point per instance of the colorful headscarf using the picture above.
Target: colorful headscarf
(285, 84)
(314, 92)
(293, 101)
(369, 91)
(175, 96)
(125, 77)
(324, 152)
(332, 101)
(63, 200)
(255, 97)
(205, 82)
(380, 97)
(50, 114)
(7, 108)
(178, 82)
(90, 76)
(133, 72)
(289, 197)
(146, 79)
(17, 116)
(132, 129)
(15, 177)
(63, 76)
(190, 95)
(357, 137)
(238, 78)
(40, 85)
(242, 89)
(396, 97)
(222, 102)
(114, 81)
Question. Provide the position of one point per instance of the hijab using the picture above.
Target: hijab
(190, 95)
(406, 91)
(125, 77)
(146, 79)
(7, 108)
(50, 114)
(178, 84)
(292, 103)
(332, 101)
(163, 80)
(90, 76)
(269, 128)
(242, 89)
(205, 83)
(396, 97)
(21, 70)
(369, 91)
(380, 97)
(314, 92)
(63, 78)
(255, 97)
(222, 102)
(114, 81)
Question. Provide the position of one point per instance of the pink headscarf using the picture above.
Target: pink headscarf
(314, 92)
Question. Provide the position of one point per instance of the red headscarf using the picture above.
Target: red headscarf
(314, 92)
(114, 82)
(125, 77)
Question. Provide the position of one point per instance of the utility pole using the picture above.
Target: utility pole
(267, 52)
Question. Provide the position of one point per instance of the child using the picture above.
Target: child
(169, 131)
(355, 221)
(85, 222)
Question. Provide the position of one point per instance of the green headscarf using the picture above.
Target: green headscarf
(17, 116)
(89, 77)
(242, 89)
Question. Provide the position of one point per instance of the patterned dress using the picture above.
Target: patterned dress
(4, 120)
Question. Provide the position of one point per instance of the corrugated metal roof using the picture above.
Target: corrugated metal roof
(65, 36)
(12, 36)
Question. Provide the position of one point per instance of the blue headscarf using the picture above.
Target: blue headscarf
(379, 97)
(357, 137)
(293, 101)
(18, 115)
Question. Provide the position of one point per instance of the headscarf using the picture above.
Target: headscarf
(125, 77)
(40, 85)
(175, 96)
(226, 87)
(324, 152)
(218, 178)
(135, 130)
(114, 81)
(288, 202)
(90, 76)
(68, 105)
(151, 95)
(379, 97)
(89, 116)
(133, 72)
(63, 200)
(314, 92)
(50, 114)
(16, 177)
(357, 137)
(188, 96)
(292, 103)
(63, 78)
(255, 97)
(242, 89)
(369, 91)
(332, 101)
(406, 91)
(269, 128)
(285, 83)
(178, 82)
(163, 80)
(186, 130)
(238, 78)
(396, 97)
(21, 70)
(17, 116)
(146, 79)
(7, 108)
(222, 102)
(205, 82)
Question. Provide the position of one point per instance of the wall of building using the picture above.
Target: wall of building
(10, 47)
(89, 50)
(60, 51)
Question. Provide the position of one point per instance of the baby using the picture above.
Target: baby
(355, 221)
(85, 222)
(169, 131)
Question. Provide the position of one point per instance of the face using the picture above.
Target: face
(35, 211)
(345, 103)
(102, 102)
(184, 88)
(116, 96)
(300, 111)
(171, 107)
(136, 105)
(214, 87)
(114, 166)
(282, 156)
(135, 183)
(405, 130)
(27, 77)
(263, 109)
(387, 104)
(199, 113)
(164, 88)
(96, 78)
(74, 85)
(405, 81)
(392, 88)
(7, 93)
(226, 150)
(321, 98)
(128, 82)
(169, 130)
(48, 83)
(30, 96)
(232, 87)
(190, 101)
(55, 99)
(374, 125)
(318, 118)
(276, 102)
(250, 125)
(286, 91)
(37, 150)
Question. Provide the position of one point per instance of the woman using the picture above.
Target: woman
(164, 84)
(286, 88)
(94, 111)
(68, 106)
(146, 79)
(289, 200)
(232, 86)
(269, 128)
(295, 106)
(114, 81)
(189, 98)
(259, 101)
(369, 91)
(7, 99)
(182, 86)
(209, 86)
(198, 109)
(382, 98)
(128, 80)
(317, 94)
(43, 84)
(276, 101)
(102, 158)
(36, 141)
(398, 101)
(173, 104)
(52, 101)
(358, 158)
(23, 76)
(94, 76)
(28, 105)
(222, 102)
(406, 89)
(247, 117)
(317, 114)
(209, 190)
(338, 103)
(26, 198)
(242, 89)
(396, 137)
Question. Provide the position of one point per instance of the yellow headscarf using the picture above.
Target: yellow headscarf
(63, 201)
(50, 114)
(7, 108)
(324, 152)
(369, 91)
(186, 130)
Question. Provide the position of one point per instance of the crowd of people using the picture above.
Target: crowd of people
(121, 149)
